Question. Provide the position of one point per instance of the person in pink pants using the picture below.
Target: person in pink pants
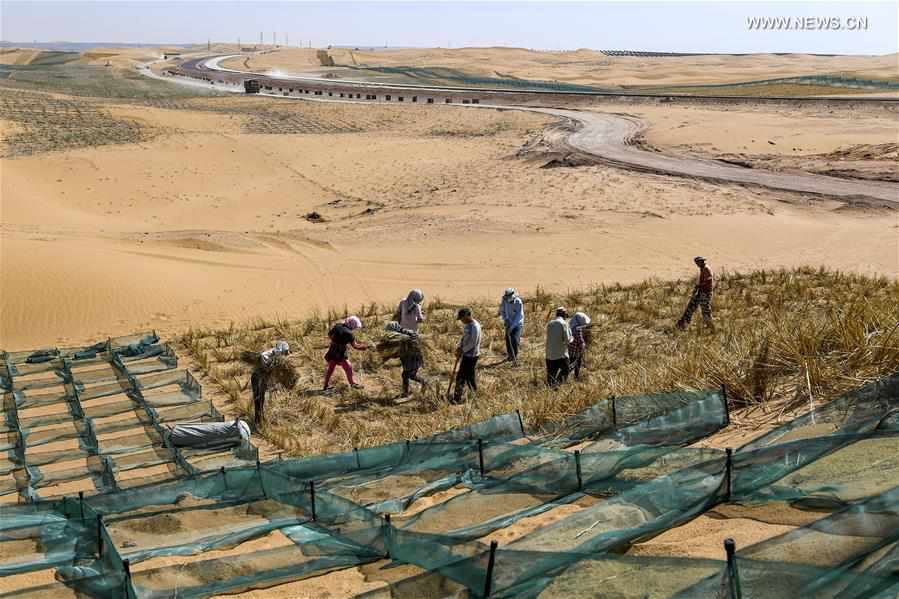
(341, 336)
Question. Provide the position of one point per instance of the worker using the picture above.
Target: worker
(467, 353)
(511, 310)
(341, 336)
(702, 297)
(259, 378)
(578, 346)
(558, 337)
(409, 312)
(411, 357)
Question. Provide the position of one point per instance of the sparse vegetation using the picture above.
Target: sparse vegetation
(92, 81)
(785, 338)
(47, 123)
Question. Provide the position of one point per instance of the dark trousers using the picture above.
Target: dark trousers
(556, 371)
(704, 301)
(259, 385)
(513, 339)
(577, 360)
(466, 376)
(411, 364)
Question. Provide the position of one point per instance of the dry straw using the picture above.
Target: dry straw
(784, 338)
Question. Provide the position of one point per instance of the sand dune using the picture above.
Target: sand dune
(596, 68)
(205, 222)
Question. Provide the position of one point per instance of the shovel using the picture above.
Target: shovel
(449, 389)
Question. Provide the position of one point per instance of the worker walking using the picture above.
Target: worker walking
(409, 312)
(467, 352)
(558, 337)
(341, 336)
(259, 378)
(702, 297)
(511, 310)
(578, 346)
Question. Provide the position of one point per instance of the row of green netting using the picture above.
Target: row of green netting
(319, 530)
(96, 419)
(567, 501)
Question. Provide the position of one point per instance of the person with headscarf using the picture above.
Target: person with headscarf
(259, 379)
(409, 313)
(558, 337)
(341, 337)
(702, 297)
(411, 356)
(511, 310)
(578, 346)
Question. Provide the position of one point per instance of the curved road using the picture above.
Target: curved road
(609, 138)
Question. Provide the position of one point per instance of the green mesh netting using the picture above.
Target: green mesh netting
(156, 521)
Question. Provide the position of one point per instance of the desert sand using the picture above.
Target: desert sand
(205, 221)
(205, 217)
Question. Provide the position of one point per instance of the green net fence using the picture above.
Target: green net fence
(89, 419)
(483, 510)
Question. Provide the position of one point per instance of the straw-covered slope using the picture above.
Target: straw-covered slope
(784, 340)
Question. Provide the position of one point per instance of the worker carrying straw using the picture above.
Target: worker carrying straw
(264, 368)
(409, 313)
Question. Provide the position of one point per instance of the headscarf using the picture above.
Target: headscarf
(510, 294)
(281, 347)
(353, 323)
(579, 320)
(415, 297)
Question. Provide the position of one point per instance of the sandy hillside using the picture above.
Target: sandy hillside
(288, 59)
(854, 143)
(205, 222)
(596, 68)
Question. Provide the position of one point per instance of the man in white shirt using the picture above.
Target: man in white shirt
(468, 352)
(558, 336)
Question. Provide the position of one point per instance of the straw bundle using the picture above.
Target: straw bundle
(279, 371)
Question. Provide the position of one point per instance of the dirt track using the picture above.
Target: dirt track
(610, 138)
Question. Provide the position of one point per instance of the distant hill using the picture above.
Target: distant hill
(81, 46)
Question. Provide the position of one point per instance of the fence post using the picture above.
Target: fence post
(312, 498)
(387, 536)
(358, 462)
(520, 423)
(728, 473)
(614, 412)
(730, 547)
(488, 579)
(259, 474)
(726, 406)
(577, 469)
(126, 564)
(481, 456)
(99, 536)
(81, 505)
